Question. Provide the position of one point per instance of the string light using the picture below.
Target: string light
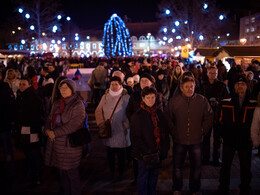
(116, 38)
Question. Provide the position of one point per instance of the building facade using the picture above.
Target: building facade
(250, 30)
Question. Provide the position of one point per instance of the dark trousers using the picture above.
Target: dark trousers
(179, 155)
(147, 180)
(244, 155)
(111, 156)
(206, 145)
(97, 95)
(70, 182)
(34, 160)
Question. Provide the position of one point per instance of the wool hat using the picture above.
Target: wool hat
(136, 78)
(148, 76)
(240, 78)
(130, 79)
(71, 84)
(115, 78)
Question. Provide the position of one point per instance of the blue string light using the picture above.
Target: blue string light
(116, 38)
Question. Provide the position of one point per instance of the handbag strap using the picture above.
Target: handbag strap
(115, 107)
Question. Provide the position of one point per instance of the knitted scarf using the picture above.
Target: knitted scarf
(152, 113)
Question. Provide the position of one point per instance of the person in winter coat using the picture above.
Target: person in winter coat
(215, 91)
(190, 117)
(146, 80)
(98, 82)
(6, 119)
(116, 145)
(255, 127)
(235, 118)
(28, 122)
(149, 134)
(162, 86)
(174, 79)
(12, 80)
(66, 117)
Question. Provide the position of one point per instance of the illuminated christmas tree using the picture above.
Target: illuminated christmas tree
(116, 38)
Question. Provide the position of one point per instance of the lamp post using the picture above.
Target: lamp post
(243, 41)
(148, 47)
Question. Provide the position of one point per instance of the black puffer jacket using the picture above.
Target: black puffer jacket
(142, 134)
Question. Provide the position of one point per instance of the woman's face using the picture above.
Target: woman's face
(115, 86)
(149, 99)
(11, 75)
(178, 70)
(65, 91)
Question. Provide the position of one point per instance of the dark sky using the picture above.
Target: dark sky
(94, 13)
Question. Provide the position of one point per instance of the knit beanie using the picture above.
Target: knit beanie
(71, 84)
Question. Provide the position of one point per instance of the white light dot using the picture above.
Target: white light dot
(27, 16)
(167, 12)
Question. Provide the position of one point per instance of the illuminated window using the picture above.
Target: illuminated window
(100, 45)
(247, 30)
(64, 46)
(88, 46)
(251, 38)
(94, 46)
(32, 47)
(134, 45)
(21, 47)
(252, 29)
(134, 38)
(142, 38)
(142, 45)
(246, 21)
(76, 46)
(252, 19)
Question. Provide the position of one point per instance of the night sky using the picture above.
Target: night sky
(94, 13)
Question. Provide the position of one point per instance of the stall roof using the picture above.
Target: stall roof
(206, 51)
(239, 50)
(11, 52)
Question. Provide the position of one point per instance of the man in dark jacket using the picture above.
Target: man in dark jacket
(235, 120)
(215, 91)
(6, 116)
(190, 117)
(28, 125)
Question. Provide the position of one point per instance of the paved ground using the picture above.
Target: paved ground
(94, 174)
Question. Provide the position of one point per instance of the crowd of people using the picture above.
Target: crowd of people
(153, 99)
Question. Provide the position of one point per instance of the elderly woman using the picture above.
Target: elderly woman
(149, 135)
(67, 116)
(116, 145)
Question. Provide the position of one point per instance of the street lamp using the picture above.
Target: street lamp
(243, 41)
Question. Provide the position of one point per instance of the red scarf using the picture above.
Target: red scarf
(152, 112)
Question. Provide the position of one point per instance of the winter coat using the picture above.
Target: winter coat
(59, 153)
(142, 134)
(235, 122)
(189, 118)
(120, 125)
(6, 107)
(98, 77)
(163, 88)
(255, 127)
(28, 109)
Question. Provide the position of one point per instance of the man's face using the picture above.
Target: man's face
(188, 88)
(24, 84)
(212, 74)
(240, 88)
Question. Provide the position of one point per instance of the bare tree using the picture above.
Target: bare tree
(190, 21)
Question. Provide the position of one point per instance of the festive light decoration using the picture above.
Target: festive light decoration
(68, 18)
(221, 17)
(177, 23)
(27, 16)
(23, 41)
(20, 10)
(173, 30)
(205, 6)
(59, 17)
(32, 27)
(165, 29)
(54, 28)
(116, 38)
(167, 12)
(201, 37)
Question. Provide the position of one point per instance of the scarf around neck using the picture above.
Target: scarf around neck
(113, 94)
(152, 113)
